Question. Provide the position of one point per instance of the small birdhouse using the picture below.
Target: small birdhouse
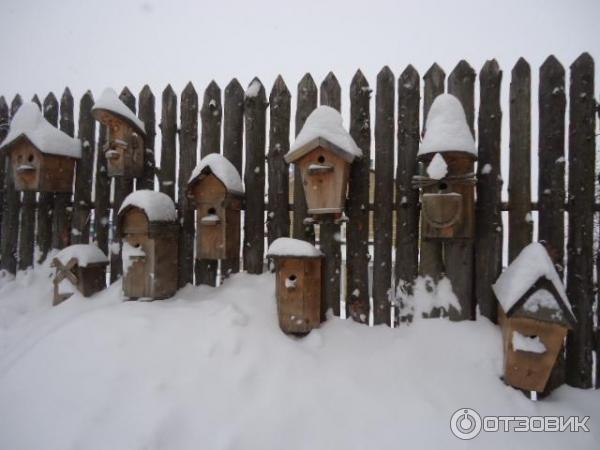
(42, 157)
(535, 317)
(216, 188)
(148, 227)
(79, 267)
(125, 147)
(447, 179)
(324, 151)
(298, 266)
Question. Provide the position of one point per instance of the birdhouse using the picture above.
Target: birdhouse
(215, 187)
(124, 149)
(447, 176)
(535, 317)
(42, 157)
(79, 267)
(148, 227)
(298, 266)
(324, 151)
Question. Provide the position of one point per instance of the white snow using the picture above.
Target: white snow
(129, 255)
(487, 168)
(253, 88)
(110, 101)
(292, 247)
(427, 296)
(221, 168)
(210, 219)
(30, 123)
(437, 168)
(446, 128)
(85, 253)
(541, 299)
(158, 206)
(527, 344)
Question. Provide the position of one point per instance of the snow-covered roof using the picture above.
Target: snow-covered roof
(84, 253)
(324, 128)
(446, 128)
(110, 101)
(221, 168)
(29, 123)
(293, 247)
(158, 206)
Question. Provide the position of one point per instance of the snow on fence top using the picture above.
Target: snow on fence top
(446, 128)
(324, 128)
(31, 124)
(293, 247)
(158, 206)
(110, 101)
(221, 168)
(84, 253)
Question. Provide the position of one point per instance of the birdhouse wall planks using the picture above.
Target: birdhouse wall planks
(42, 157)
(125, 149)
(148, 227)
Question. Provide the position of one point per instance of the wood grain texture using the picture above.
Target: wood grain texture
(102, 194)
(27, 222)
(168, 128)
(147, 114)
(4, 124)
(61, 224)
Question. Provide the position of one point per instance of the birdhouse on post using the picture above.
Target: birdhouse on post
(42, 157)
(124, 150)
(148, 227)
(81, 267)
(535, 316)
(298, 265)
(324, 151)
(216, 188)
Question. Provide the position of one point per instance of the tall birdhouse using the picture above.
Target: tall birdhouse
(324, 151)
(81, 267)
(125, 147)
(447, 178)
(535, 317)
(298, 265)
(216, 188)
(148, 227)
(42, 157)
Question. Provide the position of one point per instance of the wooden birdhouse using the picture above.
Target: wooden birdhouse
(148, 227)
(298, 266)
(216, 188)
(42, 157)
(535, 316)
(324, 151)
(447, 176)
(124, 150)
(79, 267)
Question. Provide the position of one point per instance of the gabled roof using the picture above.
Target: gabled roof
(110, 102)
(157, 206)
(220, 167)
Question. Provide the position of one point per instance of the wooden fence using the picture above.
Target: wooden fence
(44, 221)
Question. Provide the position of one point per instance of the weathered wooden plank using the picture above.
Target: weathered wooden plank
(434, 80)
(384, 198)
(580, 248)
(35, 99)
(168, 128)
(4, 124)
(306, 103)
(147, 114)
(488, 219)
(461, 84)
(357, 229)
(519, 179)
(102, 195)
(255, 105)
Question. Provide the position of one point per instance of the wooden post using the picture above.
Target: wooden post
(488, 219)
(580, 248)
(254, 177)
(384, 198)
(357, 230)
(147, 114)
(168, 128)
(4, 125)
(102, 195)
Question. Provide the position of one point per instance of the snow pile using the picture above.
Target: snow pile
(446, 128)
(110, 101)
(292, 247)
(426, 297)
(84, 253)
(158, 206)
(541, 299)
(31, 124)
(527, 344)
(221, 168)
(437, 168)
(129, 255)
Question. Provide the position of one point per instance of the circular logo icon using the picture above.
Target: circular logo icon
(465, 423)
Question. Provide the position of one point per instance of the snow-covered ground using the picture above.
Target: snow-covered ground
(210, 369)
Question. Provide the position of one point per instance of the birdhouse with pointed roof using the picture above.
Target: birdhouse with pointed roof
(447, 179)
(124, 149)
(216, 189)
(535, 316)
(324, 151)
(149, 230)
(42, 157)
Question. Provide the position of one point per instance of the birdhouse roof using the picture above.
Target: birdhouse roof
(220, 167)
(446, 128)
(157, 206)
(29, 123)
(294, 248)
(85, 254)
(110, 101)
(324, 128)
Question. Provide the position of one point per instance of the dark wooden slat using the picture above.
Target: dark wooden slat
(357, 229)
(460, 83)
(488, 219)
(597, 338)
(168, 128)
(147, 114)
(35, 99)
(4, 124)
(580, 248)
(102, 195)
(434, 80)
(384, 198)
(254, 177)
